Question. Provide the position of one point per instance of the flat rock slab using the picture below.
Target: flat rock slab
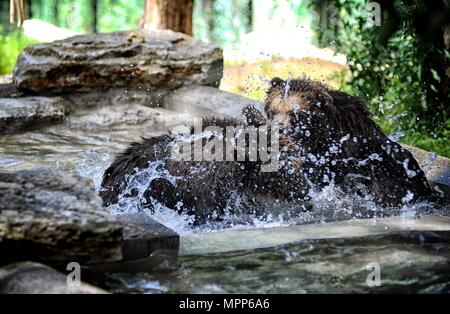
(47, 215)
(149, 59)
(35, 278)
(144, 236)
(237, 240)
(25, 113)
(147, 244)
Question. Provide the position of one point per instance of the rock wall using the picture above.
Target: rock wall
(162, 59)
(48, 215)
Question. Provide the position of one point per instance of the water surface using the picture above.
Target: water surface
(411, 261)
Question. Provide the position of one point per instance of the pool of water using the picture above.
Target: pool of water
(409, 262)
(85, 144)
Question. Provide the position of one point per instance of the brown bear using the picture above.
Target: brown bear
(205, 189)
(323, 137)
(340, 143)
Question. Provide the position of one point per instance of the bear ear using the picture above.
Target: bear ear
(276, 81)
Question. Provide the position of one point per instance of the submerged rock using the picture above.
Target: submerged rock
(162, 59)
(48, 215)
(35, 278)
(21, 114)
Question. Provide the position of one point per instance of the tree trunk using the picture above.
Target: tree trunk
(93, 22)
(55, 13)
(169, 14)
(249, 20)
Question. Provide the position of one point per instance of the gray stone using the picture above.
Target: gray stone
(150, 97)
(436, 168)
(149, 59)
(9, 90)
(47, 215)
(143, 236)
(159, 258)
(35, 278)
(204, 101)
(21, 114)
(147, 245)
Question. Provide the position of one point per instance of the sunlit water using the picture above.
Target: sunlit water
(86, 144)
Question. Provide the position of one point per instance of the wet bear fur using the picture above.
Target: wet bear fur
(327, 137)
(341, 144)
(207, 190)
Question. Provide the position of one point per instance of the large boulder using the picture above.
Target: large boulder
(21, 114)
(47, 215)
(149, 59)
(35, 278)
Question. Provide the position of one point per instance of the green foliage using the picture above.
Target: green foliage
(119, 15)
(403, 85)
(113, 15)
(222, 22)
(10, 47)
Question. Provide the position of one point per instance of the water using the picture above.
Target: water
(86, 144)
(411, 262)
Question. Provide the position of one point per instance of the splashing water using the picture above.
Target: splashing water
(287, 87)
(92, 165)
(329, 204)
(88, 142)
(137, 184)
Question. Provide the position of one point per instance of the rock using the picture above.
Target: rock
(9, 90)
(436, 168)
(143, 236)
(207, 101)
(116, 97)
(147, 244)
(161, 59)
(47, 215)
(35, 278)
(133, 116)
(21, 114)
